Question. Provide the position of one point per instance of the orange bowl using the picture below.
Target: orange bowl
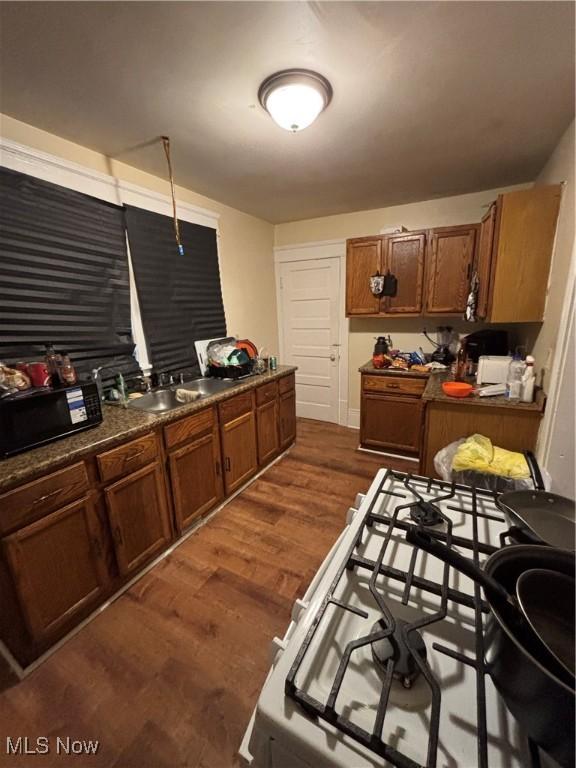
(457, 388)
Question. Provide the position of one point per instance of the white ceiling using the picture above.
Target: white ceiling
(430, 99)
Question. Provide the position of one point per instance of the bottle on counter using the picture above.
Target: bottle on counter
(528, 381)
(66, 371)
(514, 381)
(52, 361)
(461, 365)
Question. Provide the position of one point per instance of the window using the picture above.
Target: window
(180, 296)
(63, 276)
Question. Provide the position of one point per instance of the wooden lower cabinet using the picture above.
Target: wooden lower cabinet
(57, 567)
(391, 423)
(287, 418)
(268, 432)
(196, 476)
(139, 517)
(71, 538)
(239, 453)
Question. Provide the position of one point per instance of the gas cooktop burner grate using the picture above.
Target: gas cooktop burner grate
(403, 637)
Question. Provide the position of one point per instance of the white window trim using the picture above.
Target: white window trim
(57, 170)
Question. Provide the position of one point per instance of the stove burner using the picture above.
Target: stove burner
(406, 669)
(425, 513)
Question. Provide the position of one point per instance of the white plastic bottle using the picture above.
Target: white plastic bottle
(528, 380)
(514, 381)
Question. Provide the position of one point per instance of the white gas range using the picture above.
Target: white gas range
(345, 692)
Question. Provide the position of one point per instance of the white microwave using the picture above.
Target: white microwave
(493, 369)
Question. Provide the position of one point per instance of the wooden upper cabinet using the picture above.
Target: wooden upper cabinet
(449, 257)
(363, 259)
(484, 260)
(196, 475)
(404, 258)
(525, 228)
(139, 517)
(57, 565)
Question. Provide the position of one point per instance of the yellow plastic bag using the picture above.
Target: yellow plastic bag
(478, 454)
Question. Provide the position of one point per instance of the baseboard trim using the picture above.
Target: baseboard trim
(22, 672)
(390, 455)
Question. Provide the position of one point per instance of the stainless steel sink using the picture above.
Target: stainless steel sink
(156, 402)
(207, 386)
(165, 399)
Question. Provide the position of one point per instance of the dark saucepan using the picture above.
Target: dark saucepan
(535, 689)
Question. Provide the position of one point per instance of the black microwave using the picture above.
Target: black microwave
(34, 417)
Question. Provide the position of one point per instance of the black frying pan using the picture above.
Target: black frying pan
(536, 688)
(541, 517)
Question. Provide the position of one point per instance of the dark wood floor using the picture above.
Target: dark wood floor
(169, 674)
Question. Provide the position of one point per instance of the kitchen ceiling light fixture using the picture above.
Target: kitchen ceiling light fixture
(295, 97)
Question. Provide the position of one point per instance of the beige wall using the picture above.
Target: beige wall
(559, 168)
(406, 333)
(245, 242)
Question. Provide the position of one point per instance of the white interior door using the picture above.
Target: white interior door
(309, 295)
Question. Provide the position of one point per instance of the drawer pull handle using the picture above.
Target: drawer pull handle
(134, 455)
(227, 463)
(47, 496)
(393, 386)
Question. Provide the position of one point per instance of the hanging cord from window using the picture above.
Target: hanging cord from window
(166, 143)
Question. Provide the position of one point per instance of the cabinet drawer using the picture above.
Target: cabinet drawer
(266, 393)
(286, 383)
(394, 386)
(128, 457)
(34, 500)
(235, 407)
(193, 426)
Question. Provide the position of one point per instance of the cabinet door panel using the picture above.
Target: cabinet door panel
(57, 566)
(450, 257)
(405, 260)
(287, 419)
(138, 517)
(363, 259)
(196, 477)
(267, 425)
(391, 422)
(239, 451)
(484, 263)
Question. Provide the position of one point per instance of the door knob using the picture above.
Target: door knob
(332, 357)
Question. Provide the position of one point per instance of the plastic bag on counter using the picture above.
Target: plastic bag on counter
(476, 461)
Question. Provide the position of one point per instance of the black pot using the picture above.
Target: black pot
(540, 695)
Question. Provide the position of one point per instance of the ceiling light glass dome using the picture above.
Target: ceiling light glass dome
(295, 97)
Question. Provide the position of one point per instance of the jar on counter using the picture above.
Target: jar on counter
(66, 371)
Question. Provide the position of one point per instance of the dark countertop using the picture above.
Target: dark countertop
(369, 368)
(435, 393)
(119, 425)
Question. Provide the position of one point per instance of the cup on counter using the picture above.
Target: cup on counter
(39, 374)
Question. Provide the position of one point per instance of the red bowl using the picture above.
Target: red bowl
(457, 388)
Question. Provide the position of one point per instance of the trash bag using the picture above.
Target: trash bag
(477, 462)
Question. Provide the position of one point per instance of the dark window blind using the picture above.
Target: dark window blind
(180, 296)
(63, 276)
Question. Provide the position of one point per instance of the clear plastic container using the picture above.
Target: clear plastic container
(514, 381)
